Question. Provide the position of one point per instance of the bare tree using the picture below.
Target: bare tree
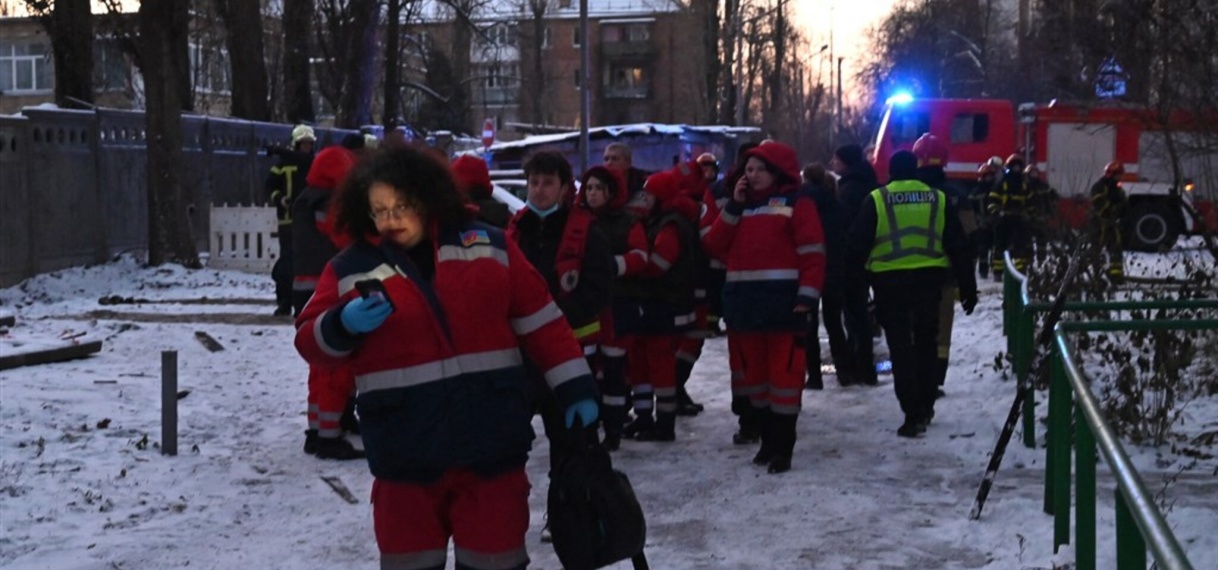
(392, 92)
(359, 77)
(243, 37)
(164, 30)
(537, 86)
(69, 23)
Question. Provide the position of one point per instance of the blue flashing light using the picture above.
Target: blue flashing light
(900, 98)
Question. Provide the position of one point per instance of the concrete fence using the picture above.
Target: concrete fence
(73, 184)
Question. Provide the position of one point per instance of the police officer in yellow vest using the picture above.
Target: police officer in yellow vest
(906, 237)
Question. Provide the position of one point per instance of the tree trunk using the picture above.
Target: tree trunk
(297, 30)
(163, 34)
(359, 75)
(731, 31)
(243, 23)
(70, 25)
(537, 97)
(708, 20)
(458, 100)
(393, 59)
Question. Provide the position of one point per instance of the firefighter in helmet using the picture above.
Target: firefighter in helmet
(988, 176)
(1008, 205)
(1108, 203)
(1042, 203)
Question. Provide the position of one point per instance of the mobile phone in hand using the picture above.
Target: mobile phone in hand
(373, 288)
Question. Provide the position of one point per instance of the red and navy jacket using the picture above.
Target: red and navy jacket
(774, 250)
(442, 383)
(314, 239)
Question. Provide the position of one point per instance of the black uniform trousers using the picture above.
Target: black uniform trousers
(907, 306)
(831, 306)
(282, 271)
(858, 333)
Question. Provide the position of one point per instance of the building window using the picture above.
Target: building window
(638, 33)
(500, 34)
(547, 38)
(25, 68)
(209, 69)
(577, 78)
(575, 36)
(626, 81)
(109, 66)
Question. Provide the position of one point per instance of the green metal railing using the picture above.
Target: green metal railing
(1138, 521)
(1019, 326)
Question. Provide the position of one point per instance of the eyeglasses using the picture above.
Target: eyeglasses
(397, 212)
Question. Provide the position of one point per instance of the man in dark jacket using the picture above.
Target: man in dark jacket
(823, 189)
(907, 237)
(572, 254)
(619, 157)
(856, 181)
(285, 182)
(474, 181)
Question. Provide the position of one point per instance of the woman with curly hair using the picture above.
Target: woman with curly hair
(435, 314)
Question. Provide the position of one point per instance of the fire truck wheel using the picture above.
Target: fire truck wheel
(1152, 227)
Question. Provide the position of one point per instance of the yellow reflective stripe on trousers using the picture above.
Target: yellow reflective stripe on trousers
(439, 370)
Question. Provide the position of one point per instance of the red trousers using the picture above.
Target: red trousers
(329, 389)
(774, 368)
(652, 368)
(486, 518)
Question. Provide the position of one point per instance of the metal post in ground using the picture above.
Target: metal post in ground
(169, 402)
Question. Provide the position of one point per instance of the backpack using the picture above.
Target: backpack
(595, 518)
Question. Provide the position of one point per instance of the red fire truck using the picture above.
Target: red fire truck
(1069, 145)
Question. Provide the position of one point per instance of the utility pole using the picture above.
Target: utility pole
(585, 87)
(839, 93)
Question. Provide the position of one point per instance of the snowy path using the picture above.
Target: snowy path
(242, 494)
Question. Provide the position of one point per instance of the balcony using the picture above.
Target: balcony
(616, 50)
(632, 92)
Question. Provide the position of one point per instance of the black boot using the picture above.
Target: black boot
(283, 311)
(665, 428)
(337, 448)
(642, 423)
(815, 381)
(750, 426)
(349, 422)
(686, 406)
(310, 445)
(613, 418)
(782, 433)
(766, 453)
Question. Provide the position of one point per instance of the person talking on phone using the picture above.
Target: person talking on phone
(769, 236)
(438, 352)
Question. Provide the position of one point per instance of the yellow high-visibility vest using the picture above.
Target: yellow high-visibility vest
(910, 217)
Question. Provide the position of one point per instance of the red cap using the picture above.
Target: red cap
(330, 167)
(779, 156)
(472, 176)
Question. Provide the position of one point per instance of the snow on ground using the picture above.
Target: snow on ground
(84, 486)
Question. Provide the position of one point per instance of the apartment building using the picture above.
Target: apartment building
(644, 63)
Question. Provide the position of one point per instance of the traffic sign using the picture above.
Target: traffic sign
(488, 132)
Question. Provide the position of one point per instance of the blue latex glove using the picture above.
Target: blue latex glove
(362, 315)
(586, 409)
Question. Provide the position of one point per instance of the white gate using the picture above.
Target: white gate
(243, 238)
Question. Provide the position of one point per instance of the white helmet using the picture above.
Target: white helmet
(302, 133)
